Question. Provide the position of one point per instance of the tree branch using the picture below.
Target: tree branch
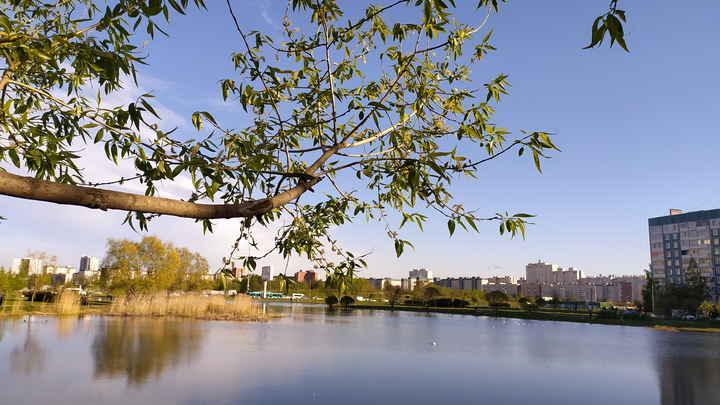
(42, 190)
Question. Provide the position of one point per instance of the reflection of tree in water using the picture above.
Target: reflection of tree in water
(140, 348)
(28, 358)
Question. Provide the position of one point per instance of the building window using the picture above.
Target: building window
(667, 245)
(675, 245)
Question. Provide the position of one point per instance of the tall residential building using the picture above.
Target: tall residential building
(89, 263)
(422, 274)
(308, 276)
(570, 276)
(34, 266)
(540, 272)
(679, 237)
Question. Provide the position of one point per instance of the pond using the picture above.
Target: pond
(312, 356)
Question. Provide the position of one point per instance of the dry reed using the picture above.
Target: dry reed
(68, 303)
(189, 306)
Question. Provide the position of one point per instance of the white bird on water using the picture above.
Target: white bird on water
(433, 343)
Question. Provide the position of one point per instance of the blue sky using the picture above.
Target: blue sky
(638, 133)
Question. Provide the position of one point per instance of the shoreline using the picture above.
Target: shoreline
(650, 323)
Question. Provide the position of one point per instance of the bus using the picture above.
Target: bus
(258, 294)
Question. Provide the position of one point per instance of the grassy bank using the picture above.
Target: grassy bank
(560, 316)
(188, 306)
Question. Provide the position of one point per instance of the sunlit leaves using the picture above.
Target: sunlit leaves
(610, 24)
(404, 131)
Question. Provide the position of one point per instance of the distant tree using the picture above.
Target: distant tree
(151, 266)
(11, 283)
(686, 296)
(495, 299)
(346, 301)
(430, 293)
(695, 288)
(540, 302)
(391, 292)
(705, 309)
(418, 290)
(649, 290)
(37, 281)
(331, 300)
(362, 285)
(527, 304)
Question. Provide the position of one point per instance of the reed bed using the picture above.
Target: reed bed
(189, 306)
(68, 303)
(12, 307)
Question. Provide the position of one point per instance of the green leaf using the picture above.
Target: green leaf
(399, 247)
(451, 226)
(14, 157)
(197, 120)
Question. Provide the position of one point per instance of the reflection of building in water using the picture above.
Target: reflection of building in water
(140, 348)
(695, 382)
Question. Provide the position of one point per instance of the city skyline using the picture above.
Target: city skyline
(619, 118)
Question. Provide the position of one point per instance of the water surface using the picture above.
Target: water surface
(312, 356)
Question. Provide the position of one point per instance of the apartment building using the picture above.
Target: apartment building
(677, 238)
(540, 273)
(33, 266)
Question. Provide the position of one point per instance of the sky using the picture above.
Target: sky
(638, 131)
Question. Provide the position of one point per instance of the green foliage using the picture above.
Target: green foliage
(286, 282)
(705, 309)
(10, 283)
(609, 24)
(649, 290)
(346, 301)
(495, 299)
(331, 300)
(686, 296)
(391, 292)
(527, 304)
(430, 293)
(151, 266)
(405, 134)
